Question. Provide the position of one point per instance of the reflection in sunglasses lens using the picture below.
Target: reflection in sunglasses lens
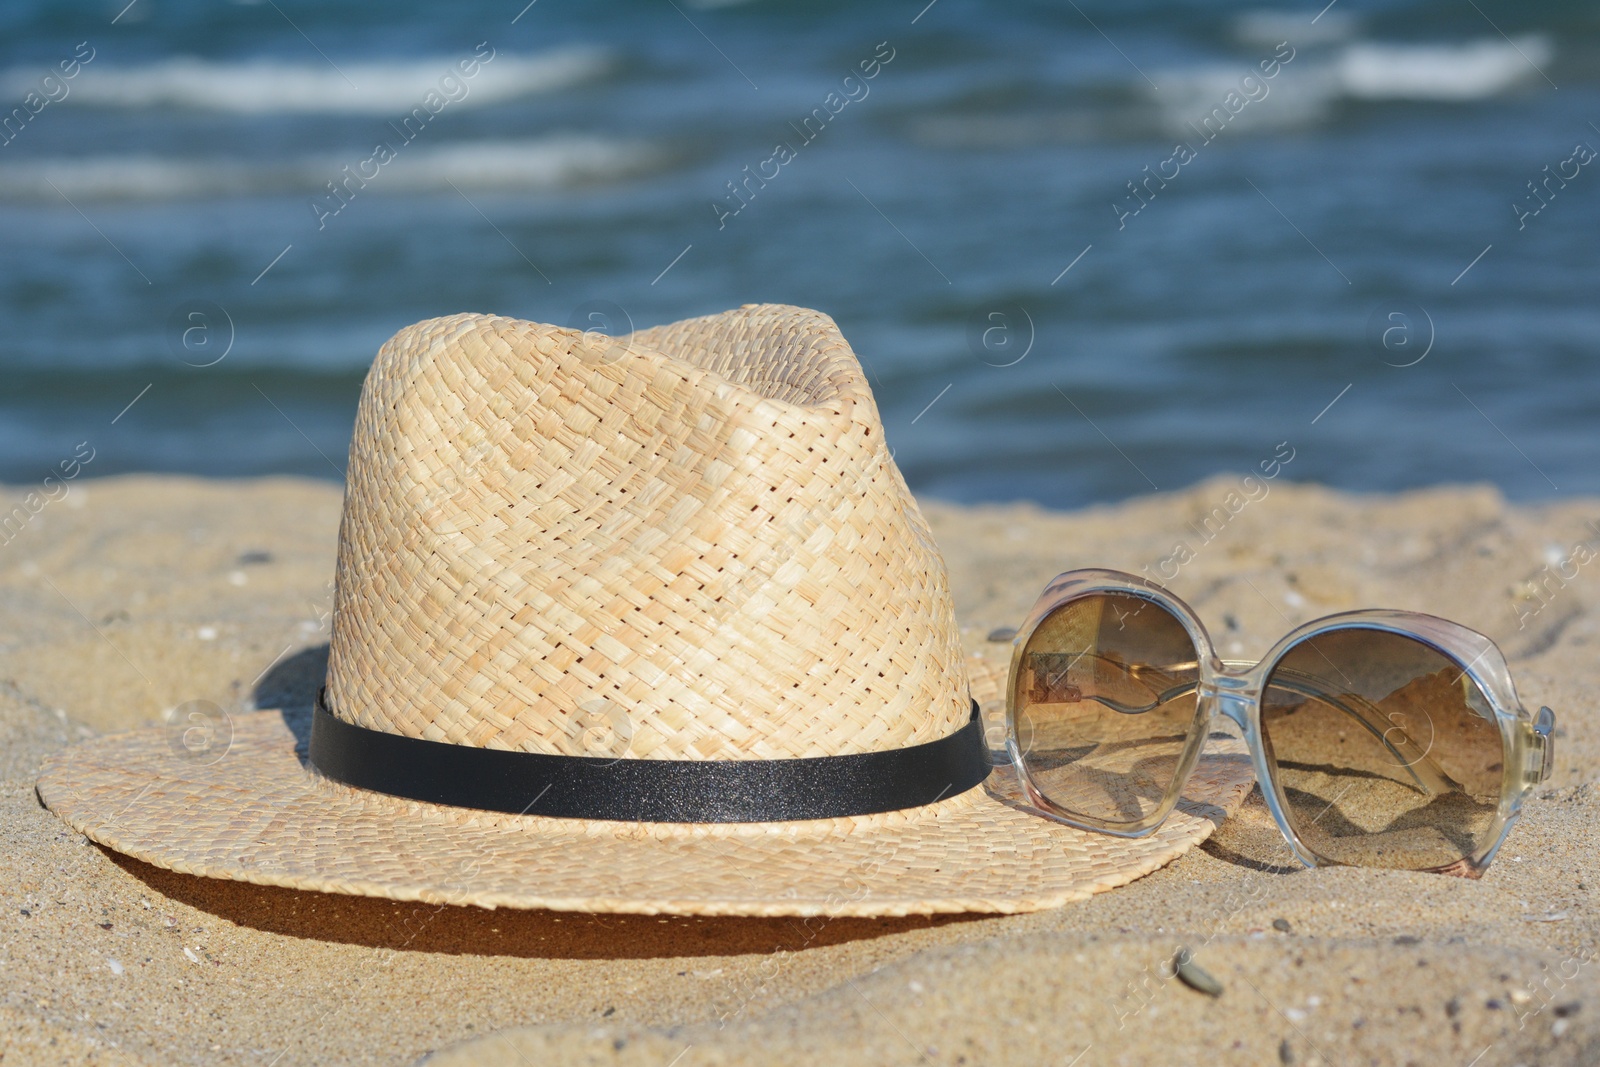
(1104, 702)
(1385, 751)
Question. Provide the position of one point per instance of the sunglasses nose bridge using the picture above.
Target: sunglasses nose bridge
(1229, 695)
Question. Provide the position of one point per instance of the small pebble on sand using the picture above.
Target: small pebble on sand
(1194, 976)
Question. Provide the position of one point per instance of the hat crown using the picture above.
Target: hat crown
(689, 543)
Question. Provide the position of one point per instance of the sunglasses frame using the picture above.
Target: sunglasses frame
(1233, 689)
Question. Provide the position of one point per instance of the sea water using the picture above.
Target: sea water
(1083, 251)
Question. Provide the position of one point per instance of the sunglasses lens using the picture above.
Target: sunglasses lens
(1104, 705)
(1385, 751)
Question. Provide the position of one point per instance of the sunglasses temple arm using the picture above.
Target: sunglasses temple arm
(1544, 728)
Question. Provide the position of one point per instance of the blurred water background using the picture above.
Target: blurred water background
(1383, 254)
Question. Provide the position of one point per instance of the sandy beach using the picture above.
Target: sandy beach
(130, 596)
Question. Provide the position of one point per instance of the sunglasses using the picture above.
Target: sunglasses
(1380, 738)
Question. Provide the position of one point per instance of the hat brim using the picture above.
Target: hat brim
(258, 814)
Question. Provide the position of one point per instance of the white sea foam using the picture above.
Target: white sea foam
(266, 86)
(1470, 71)
(555, 162)
(1298, 96)
(1306, 89)
(544, 164)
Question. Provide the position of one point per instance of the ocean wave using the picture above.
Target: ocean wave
(1470, 71)
(1295, 98)
(555, 162)
(1306, 91)
(268, 86)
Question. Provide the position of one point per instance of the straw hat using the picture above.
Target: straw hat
(643, 624)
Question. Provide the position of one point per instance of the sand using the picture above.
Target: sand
(133, 595)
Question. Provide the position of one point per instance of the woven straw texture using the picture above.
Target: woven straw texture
(257, 815)
(690, 543)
